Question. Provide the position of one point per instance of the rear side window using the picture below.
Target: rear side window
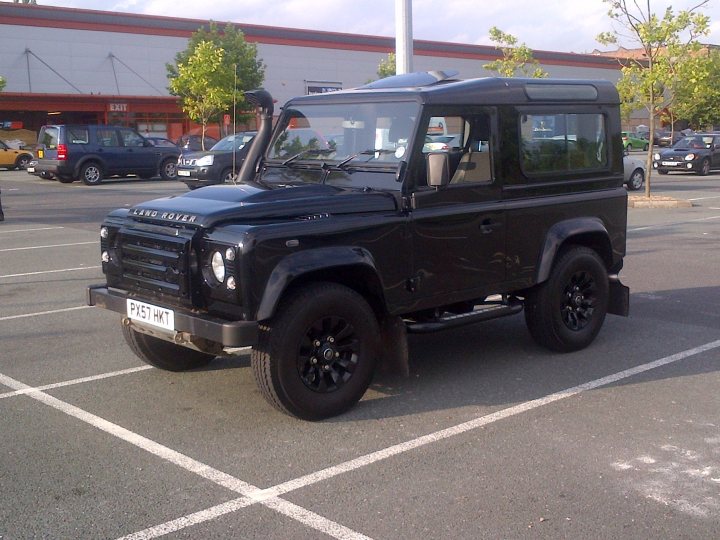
(557, 143)
(77, 135)
(108, 137)
(49, 137)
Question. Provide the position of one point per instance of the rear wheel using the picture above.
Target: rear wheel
(163, 354)
(565, 313)
(637, 179)
(91, 174)
(316, 357)
(22, 161)
(65, 179)
(168, 169)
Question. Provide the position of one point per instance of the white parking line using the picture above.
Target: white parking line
(50, 246)
(27, 230)
(705, 198)
(270, 497)
(74, 381)
(51, 271)
(25, 315)
(664, 225)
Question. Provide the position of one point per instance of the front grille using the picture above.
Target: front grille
(154, 262)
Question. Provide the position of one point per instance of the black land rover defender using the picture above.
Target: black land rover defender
(334, 245)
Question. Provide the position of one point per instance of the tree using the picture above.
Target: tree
(669, 52)
(516, 58)
(698, 95)
(386, 68)
(203, 85)
(239, 57)
(2, 83)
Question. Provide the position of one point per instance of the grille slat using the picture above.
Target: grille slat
(155, 262)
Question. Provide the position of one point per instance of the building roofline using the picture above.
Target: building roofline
(106, 21)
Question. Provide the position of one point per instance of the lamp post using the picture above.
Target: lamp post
(403, 37)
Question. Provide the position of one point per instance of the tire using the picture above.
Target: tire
(662, 171)
(163, 354)
(91, 174)
(704, 167)
(65, 179)
(629, 147)
(637, 179)
(566, 312)
(22, 161)
(168, 169)
(316, 357)
(646, 147)
(227, 177)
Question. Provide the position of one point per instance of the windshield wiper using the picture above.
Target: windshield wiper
(368, 152)
(308, 152)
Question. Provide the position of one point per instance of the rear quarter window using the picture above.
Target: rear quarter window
(49, 137)
(77, 135)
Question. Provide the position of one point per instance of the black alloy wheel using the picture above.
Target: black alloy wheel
(328, 354)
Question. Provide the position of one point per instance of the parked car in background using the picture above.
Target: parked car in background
(697, 153)
(161, 141)
(214, 166)
(91, 152)
(633, 141)
(193, 143)
(634, 176)
(666, 138)
(13, 158)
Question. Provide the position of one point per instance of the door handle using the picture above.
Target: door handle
(488, 226)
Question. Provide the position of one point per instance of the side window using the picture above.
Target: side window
(562, 142)
(78, 135)
(466, 139)
(131, 138)
(107, 137)
(49, 137)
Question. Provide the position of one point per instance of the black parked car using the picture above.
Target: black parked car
(330, 249)
(697, 153)
(193, 143)
(90, 152)
(215, 166)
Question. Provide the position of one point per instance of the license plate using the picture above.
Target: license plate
(30, 169)
(669, 163)
(152, 315)
(183, 173)
(40, 153)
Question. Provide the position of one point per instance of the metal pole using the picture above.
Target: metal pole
(403, 37)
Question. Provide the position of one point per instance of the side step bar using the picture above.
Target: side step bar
(484, 313)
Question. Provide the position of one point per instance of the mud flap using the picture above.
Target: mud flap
(618, 298)
(393, 348)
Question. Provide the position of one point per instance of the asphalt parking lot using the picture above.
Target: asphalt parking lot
(490, 436)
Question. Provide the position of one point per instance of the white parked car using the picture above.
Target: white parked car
(634, 177)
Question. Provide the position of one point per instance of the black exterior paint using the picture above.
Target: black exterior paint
(406, 250)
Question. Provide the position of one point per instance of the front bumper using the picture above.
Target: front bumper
(226, 333)
(680, 166)
(194, 176)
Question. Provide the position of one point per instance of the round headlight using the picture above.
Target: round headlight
(104, 232)
(230, 254)
(218, 266)
(656, 156)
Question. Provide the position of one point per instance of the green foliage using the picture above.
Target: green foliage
(237, 56)
(203, 84)
(387, 66)
(698, 94)
(2, 83)
(516, 58)
(670, 62)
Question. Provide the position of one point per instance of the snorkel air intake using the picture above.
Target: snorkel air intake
(263, 100)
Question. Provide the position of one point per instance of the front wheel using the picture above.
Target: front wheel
(637, 179)
(227, 177)
(565, 313)
(163, 354)
(22, 161)
(316, 357)
(704, 168)
(91, 174)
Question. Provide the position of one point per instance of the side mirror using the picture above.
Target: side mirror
(438, 169)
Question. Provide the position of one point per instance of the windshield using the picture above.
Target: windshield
(238, 141)
(345, 135)
(695, 141)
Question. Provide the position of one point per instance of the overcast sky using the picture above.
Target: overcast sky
(553, 25)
